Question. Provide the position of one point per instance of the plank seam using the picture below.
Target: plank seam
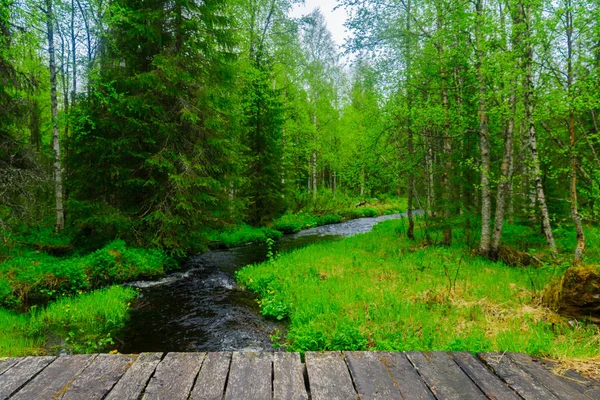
(518, 364)
(487, 367)
(189, 395)
(64, 389)
(31, 378)
(305, 377)
(420, 375)
(350, 373)
(519, 367)
(9, 368)
(143, 392)
(273, 376)
(121, 377)
(227, 377)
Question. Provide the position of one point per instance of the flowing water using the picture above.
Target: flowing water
(203, 309)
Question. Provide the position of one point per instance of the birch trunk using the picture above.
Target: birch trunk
(535, 162)
(411, 152)
(314, 174)
(58, 185)
(572, 141)
(484, 144)
(505, 185)
(446, 140)
(430, 180)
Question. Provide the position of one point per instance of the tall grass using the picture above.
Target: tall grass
(382, 291)
(85, 322)
(242, 234)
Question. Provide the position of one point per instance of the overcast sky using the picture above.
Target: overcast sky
(335, 19)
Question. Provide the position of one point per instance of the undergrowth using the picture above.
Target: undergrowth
(34, 276)
(382, 291)
(82, 323)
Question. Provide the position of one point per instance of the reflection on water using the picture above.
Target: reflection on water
(203, 309)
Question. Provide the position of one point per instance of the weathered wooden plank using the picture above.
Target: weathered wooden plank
(444, 377)
(490, 384)
(329, 377)
(370, 376)
(518, 379)
(553, 382)
(55, 379)
(405, 377)
(8, 363)
(250, 376)
(99, 378)
(288, 377)
(586, 386)
(174, 377)
(210, 384)
(21, 373)
(134, 381)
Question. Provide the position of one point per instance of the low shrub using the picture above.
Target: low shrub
(34, 276)
(239, 235)
(330, 219)
(292, 223)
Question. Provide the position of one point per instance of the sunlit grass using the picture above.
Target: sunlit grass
(382, 291)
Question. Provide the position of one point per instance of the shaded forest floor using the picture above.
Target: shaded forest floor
(383, 291)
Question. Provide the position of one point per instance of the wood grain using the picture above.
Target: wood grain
(134, 381)
(329, 377)
(55, 379)
(444, 377)
(288, 377)
(250, 376)
(98, 379)
(210, 384)
(174, 377)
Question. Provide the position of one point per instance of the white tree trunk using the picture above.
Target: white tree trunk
(58, 185)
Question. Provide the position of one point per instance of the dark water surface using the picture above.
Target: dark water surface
(203, 309)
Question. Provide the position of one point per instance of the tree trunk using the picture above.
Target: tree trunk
(529, 108)
(411, 151)
(446, 140)
(58, 185)
(572, 140)
(505, 185)
(484, 144)
(430, 179)
(314, 174)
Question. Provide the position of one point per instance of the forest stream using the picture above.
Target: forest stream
(203, 309)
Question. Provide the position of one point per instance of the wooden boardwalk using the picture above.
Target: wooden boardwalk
(257, 376)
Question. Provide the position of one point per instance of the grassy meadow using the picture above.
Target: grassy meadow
(382, 291)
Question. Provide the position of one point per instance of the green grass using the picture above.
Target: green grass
(36, 276)
(331, 210)
(239, 235)
(84, 321)
(381, 291)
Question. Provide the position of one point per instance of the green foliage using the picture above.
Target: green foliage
(34, 276)
(240, 235)
(153, 145)
(85, 322)
(376, 291)
(291, 223)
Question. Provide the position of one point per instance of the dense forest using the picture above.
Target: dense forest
(152, 120)
(161, 123)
